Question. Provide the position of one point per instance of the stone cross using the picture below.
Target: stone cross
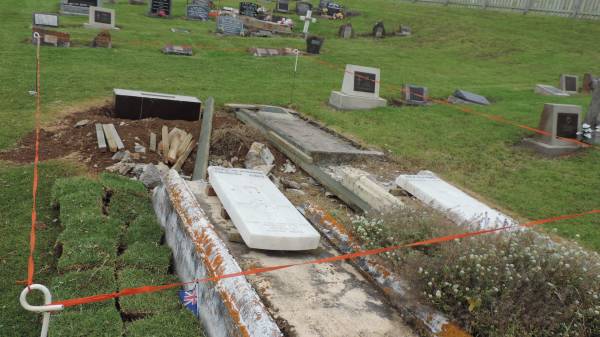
(307, 20)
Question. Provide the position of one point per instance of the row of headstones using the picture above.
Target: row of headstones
(568, 84)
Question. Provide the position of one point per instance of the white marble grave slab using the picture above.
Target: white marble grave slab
(265, 218)
(456, 204)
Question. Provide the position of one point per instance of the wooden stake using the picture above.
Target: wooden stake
(172, 154)
(152, 141)
(165, 142)
(110, 139)
(100, 138)
(184, 156)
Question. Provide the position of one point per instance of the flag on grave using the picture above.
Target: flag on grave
(189, 299)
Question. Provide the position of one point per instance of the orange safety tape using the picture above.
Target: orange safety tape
(254, 271)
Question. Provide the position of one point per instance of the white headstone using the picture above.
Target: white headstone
(103, 18)
(265, 218)
(459, 206)
(548, 90)
(43, 19)
(361, 81)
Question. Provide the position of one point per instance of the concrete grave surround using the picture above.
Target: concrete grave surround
(548, 90)
(93, 23)
(550, 122)
(265, 218)
(459, 206)
(351, 99)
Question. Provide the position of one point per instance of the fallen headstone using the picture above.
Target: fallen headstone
(471, 97)
(548, 90)
(459, 206)
(267, 52)
(128, 105)
(265, 218)
(184, 50)
(81, 123)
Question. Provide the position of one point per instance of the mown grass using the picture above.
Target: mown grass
(498, 54)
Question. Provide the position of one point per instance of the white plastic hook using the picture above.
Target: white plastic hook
(45, 309)
(36, 36)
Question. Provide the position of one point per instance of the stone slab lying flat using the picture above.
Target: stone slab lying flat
(459, 206)
(265, 218)
(314, 141)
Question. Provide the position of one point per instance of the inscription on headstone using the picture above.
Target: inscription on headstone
(101, 18)
(160, 7)
(566, 125)
(229, 25)
(568, 83)
(364, 82)
(415, 95)
(78, 7)
(248, 9)
(199, 10)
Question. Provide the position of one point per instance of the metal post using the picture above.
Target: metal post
(204, 141)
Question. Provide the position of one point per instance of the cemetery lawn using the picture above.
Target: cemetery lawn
(497, 54)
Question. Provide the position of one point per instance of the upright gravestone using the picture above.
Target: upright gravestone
(102, 18)
(199, 10)
(379, 30)
(43, 19)
(265, 218)
(415, 95)
(592, 119)
(568, 83)
(160, 7)
(78, 7)
(360, 89)
(248, 9)
(314, 44)
(346, 31)
(282, 6)
(229, 25)
(586, 86)
(559, 125)
(302, 7)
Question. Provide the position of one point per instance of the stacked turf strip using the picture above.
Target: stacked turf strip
(111, 241)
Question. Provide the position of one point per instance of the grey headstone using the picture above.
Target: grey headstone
(471, 97)
(593, 116)
(199, 10)
(229, 25)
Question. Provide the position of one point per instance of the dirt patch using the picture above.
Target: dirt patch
(62, 139)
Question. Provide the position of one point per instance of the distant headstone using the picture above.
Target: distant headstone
(404, 31)
(548, 90)
(303, 7)
(282, 6)
(78, 7)
(229, 25)
(160, 7)
(587, 85)
(198, 10)
(415, 95)
(568, 83)
(323, 3)
(248, 9)
(178, 50)
(266, 52)
(43, 19)
(471, 97)
(379, 30)
(346, 31)
(314, 44)
(102, 40)
(50, 37)
(333, 9)
(102, 18)
(265, 218)
(360, 89)
(557, 120)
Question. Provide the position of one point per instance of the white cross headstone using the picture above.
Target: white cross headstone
(307, 20)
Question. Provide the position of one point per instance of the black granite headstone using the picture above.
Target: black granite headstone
(379, 30)
(282, 6)
(248, 9)
(566, 125)
(314, 44)
(160, 7)
(364, 82)
(103, 17)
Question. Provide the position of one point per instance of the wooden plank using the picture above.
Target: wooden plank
(100, 137)
(110, 139)
(181, 160)
(120, 145)
(184, 143)
(165, 142)
(152, 141)
(201, 164)
(172, 154)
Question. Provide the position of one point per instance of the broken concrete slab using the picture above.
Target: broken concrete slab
(471, 97)
(150, 177)
(265, 218)
(260, 158)
(456, 204)
(358, 181)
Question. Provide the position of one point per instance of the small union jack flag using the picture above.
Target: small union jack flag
(189, 299)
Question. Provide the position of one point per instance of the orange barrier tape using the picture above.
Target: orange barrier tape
(254, 271)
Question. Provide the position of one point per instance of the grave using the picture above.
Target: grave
(257, 26)
(568, 83)
(587, 85)
(548, 90)
(415, 95)
(265, 218)
(267, 52)
(314, 44)
(102, 18)
(184, 50)
(228, 24)
(308, 19)
(456, 204)
(379, 30)
(557, 120)
(248, 9)
(333, 9)
(360, 89)
(78, 7)
(302, 8)
(198, 10)
(346, 31)
(102, 40)
(130, 104)
(44, 19)
(471, 97)
(282, 6)
(50, 37)
(160, 8)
